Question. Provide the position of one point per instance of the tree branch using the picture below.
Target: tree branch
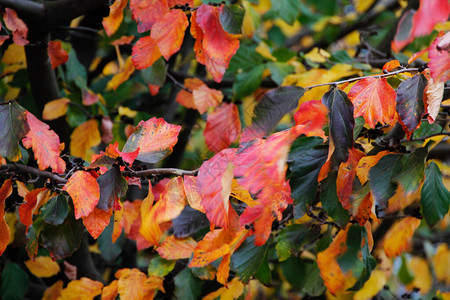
(425, 137)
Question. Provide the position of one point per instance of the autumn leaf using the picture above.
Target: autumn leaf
(155, 139)
(176, 248)
(32, 202)
(168, 32)
(241, 194)
(439, 63)
(112, 22)
(214, 184)
(13, 127)
(433, 96)
(346, 175)
(233, 290)
(367, 162)
(83, 288)
(205, 98)
(133, 284)
(84, 191)
(391, 65)
(97, 221)
(55, 109)
(57, 54)
(112, 186)
(214, 47)
(222, 127)
(83, 138)
(145, 53)
(5, 192)
(186, 98)
(110, 291)
(148, 12)
(440, 263)
(399, 237)
(313, 116)
(45, 144)
(17, 26)
(53, 292)
(374, 99)
(193, 193)
(123, 76)
(410, 106)
(372, 286)
(42, 266)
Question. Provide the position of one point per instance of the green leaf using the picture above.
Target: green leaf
(62, 240)
(15, 282)
(187, 286)
(292, 238)
(359, 125)
(303, 275)
(248, 81)
(231, 18)
(108, 250)
(279, 70)
(155, 74)
(330, 200)
(435, 198)
(160, 267)
(426, 129)
(264, 275)
(245, 58)
(404, 274)
(112, 186)
(349, 260)
(287, 10)
(55, 210)
(13, 128)
(272, 107)
(76, 72)
(283, 54)
(341, 122)
(380, 179)
(303, 144)
(412, 171)
(189, 222)
(314, 284)
(305, 170)
(248, 257)
(409, 102)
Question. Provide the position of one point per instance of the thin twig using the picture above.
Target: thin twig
(177, 83)
(160, 171)
(82, 108)
(425, 137)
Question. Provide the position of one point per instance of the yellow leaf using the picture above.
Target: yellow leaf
(240, 193)
(422, 276)
(372, 286)
(53, 292)
(317, 55)
(42, 266)
(264, 50)
(441, 261)
(11, 218)
(234, 289)
(398, 239)
(362, 5)
(14, 59)
(84, 288)
(125, 111)
(55, 109)
(83, 138)
(123, 76)
(443, 295)
(134, 285)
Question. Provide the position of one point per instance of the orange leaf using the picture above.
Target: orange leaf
(155, 139)
(5, 192)
(145, 53)
(55, 109)
(123, 40)
(131, 212)
(223, 271)
(45, 144)
(398, 239)
(331, 273)
(84, 288)
(346, 175)
(123, 76)
(168, 32)
(58, 55)
(110, 292)
(222, 127)
(176, 248)
(17, 26)
(43, 266)
(133, 284)
(118, 224)
(148, 12)
(193, 193)
(84, 191)
(32, 202)
(363, 209)
(204, 98)
(186, 98)
(391, 65)
(313, 115)
(374, 99)
(209, 249)
(153, 89)
(214, 183)
(367, 162)
(83, 138)
(97, 221)
(214, 47)
(112, 22)
(53, 292)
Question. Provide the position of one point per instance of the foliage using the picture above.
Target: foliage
(195, 149)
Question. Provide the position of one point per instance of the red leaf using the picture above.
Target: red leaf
(172, 3)
(89, 98)
(17, 26)
(145, 53)
(84, 191)
(346, 175)
(154, 138)
(153, 89)
(430, 13)
(374, 99)
(58, 55)
(204, 98)
(45, 144)
(222, 127)
(214, 47)
(168, 32)
(313, 115)
(5, 192)
(97, 221)
(112, 22)
(214, 183)
(113, 151)
(439, 61)
(186, 98)
(148, 12)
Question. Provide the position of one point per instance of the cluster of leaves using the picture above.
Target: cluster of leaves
(292, 204)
